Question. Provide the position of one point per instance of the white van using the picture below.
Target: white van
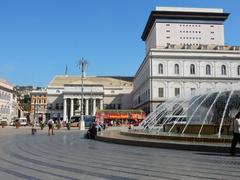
(22, 120)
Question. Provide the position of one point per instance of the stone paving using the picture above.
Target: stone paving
(67, 155)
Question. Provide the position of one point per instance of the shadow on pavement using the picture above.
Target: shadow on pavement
(217, 154)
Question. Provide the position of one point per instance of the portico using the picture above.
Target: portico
(72, 100)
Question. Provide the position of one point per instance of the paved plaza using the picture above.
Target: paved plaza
(67, 155)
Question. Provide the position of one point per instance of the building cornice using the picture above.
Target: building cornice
(195, 78)
(195, 51)
(187, 79)
(206, 16)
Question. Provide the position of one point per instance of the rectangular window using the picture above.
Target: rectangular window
(57, 106)
(193, 90)
(49, 106)
(177, 91)
(113, 106)
(105, 106)
(167, 24)
(168, 37)
(167, 30)
(160, 92)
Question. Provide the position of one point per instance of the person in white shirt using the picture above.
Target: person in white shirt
(236, 133)
(50, 126)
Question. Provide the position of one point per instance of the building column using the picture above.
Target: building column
(101, 104)
(80, 104)
(65, 110)
(94, 107)
(86, 107)
(72, 108)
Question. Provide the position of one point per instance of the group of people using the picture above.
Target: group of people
(94, 128)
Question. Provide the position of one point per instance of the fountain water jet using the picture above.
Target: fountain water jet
(206, 113)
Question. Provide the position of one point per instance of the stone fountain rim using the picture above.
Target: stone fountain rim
(178, 137)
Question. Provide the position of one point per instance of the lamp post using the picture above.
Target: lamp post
(82, 63)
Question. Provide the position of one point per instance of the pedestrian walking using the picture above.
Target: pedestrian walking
(50, 127)
(235, 126)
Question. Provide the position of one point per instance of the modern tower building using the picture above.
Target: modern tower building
(185, 51)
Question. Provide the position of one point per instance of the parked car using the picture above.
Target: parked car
(4, 122)
(12, 123)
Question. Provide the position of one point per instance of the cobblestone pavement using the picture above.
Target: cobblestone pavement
(67, 155)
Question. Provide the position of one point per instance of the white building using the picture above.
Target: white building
(190, 26)
(64, 94)
(185, 52)
(8, 102)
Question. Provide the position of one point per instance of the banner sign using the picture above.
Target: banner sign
(109, 115)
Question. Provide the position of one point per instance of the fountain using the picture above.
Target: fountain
(205, 116)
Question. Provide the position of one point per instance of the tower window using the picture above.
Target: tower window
(223, 69)
(238, 70)
(192, 69)
(176, 69)
(160, 68)
(208, 69)
(160, 92)
(177, 91)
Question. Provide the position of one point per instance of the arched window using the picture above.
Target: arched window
(160, 69)
(223, 69)
(238, 70)
(192, 69)
(208, 69)
(176, 69)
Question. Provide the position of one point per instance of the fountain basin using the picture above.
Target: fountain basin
(178, 137)
(208, 129)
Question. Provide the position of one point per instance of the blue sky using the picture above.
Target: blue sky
(38, 38)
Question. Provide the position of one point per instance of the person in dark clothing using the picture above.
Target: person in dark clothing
(235, 126)
(92, 132)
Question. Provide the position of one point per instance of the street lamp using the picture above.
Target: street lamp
(82, 63)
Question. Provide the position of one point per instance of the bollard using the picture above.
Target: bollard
(68, 126)
(34, 131)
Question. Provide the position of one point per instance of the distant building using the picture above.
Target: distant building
(39, 105)
(9, 109)
(64, 95)
(185, 52)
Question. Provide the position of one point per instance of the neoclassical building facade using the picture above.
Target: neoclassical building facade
(65, 94)
(185, 52)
